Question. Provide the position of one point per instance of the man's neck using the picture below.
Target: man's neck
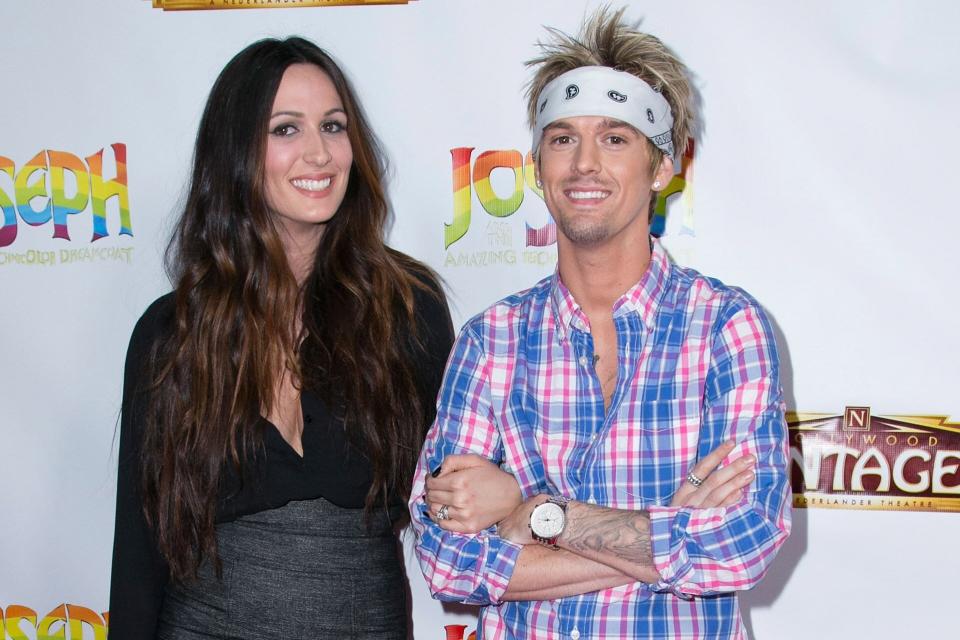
(598, 276)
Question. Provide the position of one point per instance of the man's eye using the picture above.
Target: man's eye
(561, 140)
(283, 130)
(616, 140)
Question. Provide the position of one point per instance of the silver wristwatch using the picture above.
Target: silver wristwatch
(548, 519)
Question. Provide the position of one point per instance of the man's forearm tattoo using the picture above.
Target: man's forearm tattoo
(624, 534)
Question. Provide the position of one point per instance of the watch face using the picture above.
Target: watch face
(547, 520)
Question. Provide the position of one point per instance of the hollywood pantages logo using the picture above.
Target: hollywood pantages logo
(857, 460)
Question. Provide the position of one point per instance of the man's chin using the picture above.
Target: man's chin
(584, 233)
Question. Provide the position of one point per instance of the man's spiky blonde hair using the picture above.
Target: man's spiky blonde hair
(606, 40)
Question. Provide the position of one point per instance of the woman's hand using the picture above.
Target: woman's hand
(721, 487)
(476, 493)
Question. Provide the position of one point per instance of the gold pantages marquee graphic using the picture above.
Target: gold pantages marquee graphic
(201, 5)
(861, 461)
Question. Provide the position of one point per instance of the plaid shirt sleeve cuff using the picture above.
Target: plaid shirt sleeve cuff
(501, 558)
(472, 569)
(667, 526)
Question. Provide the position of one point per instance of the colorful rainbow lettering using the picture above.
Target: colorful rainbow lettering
(466, 181)
(676, 185)
(65, 621)
(91, 189)
(494, 205)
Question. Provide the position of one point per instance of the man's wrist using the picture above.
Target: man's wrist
(574, 509)
(548, 520)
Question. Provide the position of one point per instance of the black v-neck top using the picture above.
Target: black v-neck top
(330, 467)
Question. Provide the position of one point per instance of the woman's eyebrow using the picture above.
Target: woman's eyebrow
(299, 114)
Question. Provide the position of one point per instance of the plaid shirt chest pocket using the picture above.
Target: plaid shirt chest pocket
(651, 446)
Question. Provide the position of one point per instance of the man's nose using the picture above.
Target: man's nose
(587, 157)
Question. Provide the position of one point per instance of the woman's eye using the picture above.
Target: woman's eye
(283, 130)
(333, 126)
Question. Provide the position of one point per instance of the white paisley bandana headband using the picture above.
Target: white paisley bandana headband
(603, 91)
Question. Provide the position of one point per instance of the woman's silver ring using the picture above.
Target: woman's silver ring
(442, 512)
(694, 480)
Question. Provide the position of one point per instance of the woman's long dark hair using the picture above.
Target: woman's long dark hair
(235, 328)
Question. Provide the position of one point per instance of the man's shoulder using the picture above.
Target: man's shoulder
(515, 310)
(688, 279)
(691, 288)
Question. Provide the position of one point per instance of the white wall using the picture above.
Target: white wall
(824, 185)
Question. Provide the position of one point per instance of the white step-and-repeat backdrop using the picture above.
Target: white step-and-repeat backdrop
(825, 183)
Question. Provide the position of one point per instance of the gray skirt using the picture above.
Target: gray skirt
(309, 569)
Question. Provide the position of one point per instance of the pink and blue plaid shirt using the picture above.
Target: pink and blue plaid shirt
(698, 366)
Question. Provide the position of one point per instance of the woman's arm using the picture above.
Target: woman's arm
(139, 573)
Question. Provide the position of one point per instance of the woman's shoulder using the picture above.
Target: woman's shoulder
(419, 271)
(159, 310)
(430, 301)
(430, 311)
(154, 323)
(158, 315)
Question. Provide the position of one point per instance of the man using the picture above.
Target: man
(601, 388)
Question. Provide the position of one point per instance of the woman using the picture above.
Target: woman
(275, 402)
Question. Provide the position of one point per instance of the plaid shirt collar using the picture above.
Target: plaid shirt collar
(643, 298)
